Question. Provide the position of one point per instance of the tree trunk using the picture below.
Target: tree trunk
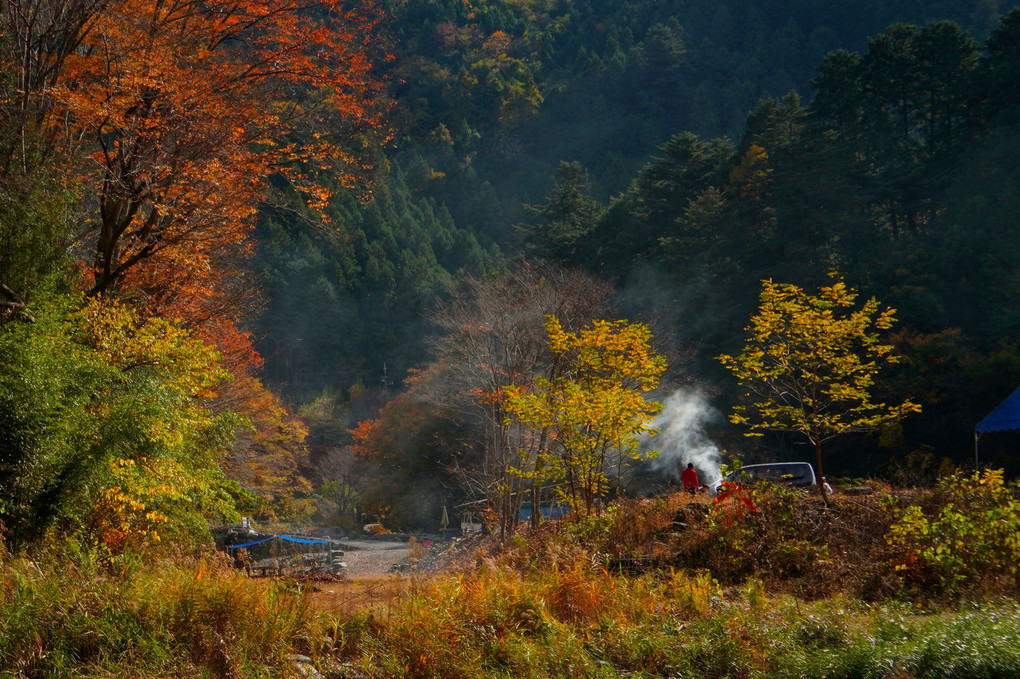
(821, 475)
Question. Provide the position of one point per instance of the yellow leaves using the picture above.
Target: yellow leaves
(170, 372)
(596, 409)
(151, 409)
(752, 174)
(812, 359)
(127, 510)
(992, 478)
(606, 352)
(970, 534)
(130, 343)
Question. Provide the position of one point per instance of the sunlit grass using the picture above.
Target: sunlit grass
(546, 605)
(65, 616)
(193, 617)
(497, 624)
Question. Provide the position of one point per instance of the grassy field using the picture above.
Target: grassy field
(544, 605)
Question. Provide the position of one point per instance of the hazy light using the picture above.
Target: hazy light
(682, 439)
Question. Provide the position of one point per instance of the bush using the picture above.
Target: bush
(966, 536)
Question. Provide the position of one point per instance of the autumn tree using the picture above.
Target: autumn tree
(187, 107)
(809, 365)
(36, 39)
(492, 337)
(594, 411)
(163, 124)
(178, 111)
(402, 462)
(106, 426)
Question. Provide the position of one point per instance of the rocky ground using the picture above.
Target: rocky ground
(375, 556)
(403, 554)
(438, 556)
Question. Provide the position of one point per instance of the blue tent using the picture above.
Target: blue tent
(1005, 417)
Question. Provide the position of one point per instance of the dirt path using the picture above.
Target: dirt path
(373, 580)
(379, 572)
(373, 557)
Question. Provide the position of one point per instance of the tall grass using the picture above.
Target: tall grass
(567, 622)
(63, 616)
(547, 606)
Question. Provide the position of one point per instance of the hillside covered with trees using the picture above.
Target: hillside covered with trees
(888, 161)
(290, 239)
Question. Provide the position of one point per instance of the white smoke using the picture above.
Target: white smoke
(681, 437)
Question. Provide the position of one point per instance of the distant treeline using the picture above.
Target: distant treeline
(617, 139)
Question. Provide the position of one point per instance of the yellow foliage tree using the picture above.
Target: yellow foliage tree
(160, 440)
(595, 410)
(810, 361)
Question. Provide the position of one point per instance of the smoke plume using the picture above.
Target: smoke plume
(682, 439)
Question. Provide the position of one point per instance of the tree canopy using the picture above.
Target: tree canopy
(810, 362)
(315, 198)
(594, 410)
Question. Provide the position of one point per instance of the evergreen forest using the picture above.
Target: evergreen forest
(680, 154)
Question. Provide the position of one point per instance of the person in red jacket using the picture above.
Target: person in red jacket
(689, 479)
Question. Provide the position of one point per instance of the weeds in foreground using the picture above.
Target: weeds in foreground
(549, 605)
(194, 617)
(62, 617)
(499, 624)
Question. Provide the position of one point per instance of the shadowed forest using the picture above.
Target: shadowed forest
(679, 155)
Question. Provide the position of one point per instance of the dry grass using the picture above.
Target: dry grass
(714, 602)
(375, 595)
(791, 542)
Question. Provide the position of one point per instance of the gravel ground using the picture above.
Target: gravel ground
(373, 557)
(379, 556)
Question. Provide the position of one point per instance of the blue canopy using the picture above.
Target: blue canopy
(1006, 417)
(288, 538)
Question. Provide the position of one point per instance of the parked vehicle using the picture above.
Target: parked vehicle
(797, 474)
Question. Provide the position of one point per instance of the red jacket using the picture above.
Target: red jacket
(689, 478)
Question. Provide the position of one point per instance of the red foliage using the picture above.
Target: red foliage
(183, 108)
(362, 434)
(733, 503)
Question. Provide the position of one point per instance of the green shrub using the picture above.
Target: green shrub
(970, 535)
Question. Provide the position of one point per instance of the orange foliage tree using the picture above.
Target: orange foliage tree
(186, 107)
(169, 117)
(173, 115)
(178, 111)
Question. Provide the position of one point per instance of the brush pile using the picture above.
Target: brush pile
(949, 541)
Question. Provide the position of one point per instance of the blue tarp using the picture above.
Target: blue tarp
(249, 544)
(303, 541)
(1005, 417)
(288, 538)
(548, 510)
